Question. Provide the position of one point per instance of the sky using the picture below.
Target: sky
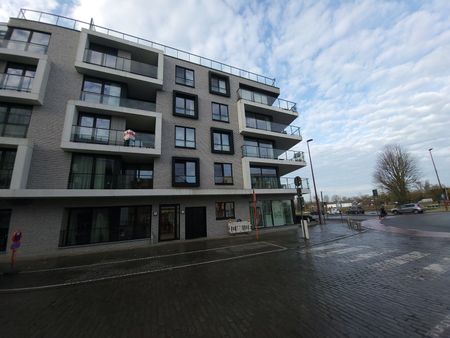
(364, 73)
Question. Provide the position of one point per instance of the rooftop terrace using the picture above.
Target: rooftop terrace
(65, 22)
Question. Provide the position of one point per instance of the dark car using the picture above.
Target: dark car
(355, 210)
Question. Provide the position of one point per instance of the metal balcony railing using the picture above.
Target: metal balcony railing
(271, 182)
(271, 153)
(16, 82)
(117, 101)
(103, 181)
(69, 23)
(266, 100)
(111, 137)
(273, 126)
(25, 46)
(120, 63)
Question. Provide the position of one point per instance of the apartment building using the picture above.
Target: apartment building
(112, 141)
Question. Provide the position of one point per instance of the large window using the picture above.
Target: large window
(264, 177)
(224, 210)
(97, 225)
(184, 137)
(18, 77)
(271, 213)
(223, 173)
(185, 105)
(258, 121)
(24, 39)
(185, 172)
(220, 112)
(219, 84)
(222, 141)
(100, 91)
(184, 76)
(14, 120)
(7, 159)
(92, 128)
(258, 148)
(5, 216)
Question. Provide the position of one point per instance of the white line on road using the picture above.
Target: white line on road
(76, 267)
(440, 328)
(439, 268)
(399, 260)
(327, 247)
(364, 256)
(342, 251)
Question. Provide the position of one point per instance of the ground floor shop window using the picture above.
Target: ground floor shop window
(271, 213)
(224, 210)
(5, 216)
(110, 224)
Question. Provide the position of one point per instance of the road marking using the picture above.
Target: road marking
(342, 251)
(440, 328)
(364, 256)
(76, 267)
(432, 271)
(326, 247)
(439, 268)
(399, 260)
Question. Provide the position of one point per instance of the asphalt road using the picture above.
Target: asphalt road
(436, 221)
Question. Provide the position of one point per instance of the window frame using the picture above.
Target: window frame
(213, 75)
(224, 217)
(223, 173)
(220, 112)
(178, 94)
(5, 123)
(182, 81)
(186, 160)
(230, 137)
(185, 147)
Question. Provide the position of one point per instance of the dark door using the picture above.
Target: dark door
(168, 222)
(195, 222)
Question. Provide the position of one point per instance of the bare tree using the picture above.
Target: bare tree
(396, 171)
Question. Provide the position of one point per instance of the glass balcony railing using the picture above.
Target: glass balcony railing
(271, 153)
(273, 127)
(120, 63)
(111, 137)
(107, 181)
(16, 82)
(266, 100)
(118, 101)
(271, 182)
(25, 46)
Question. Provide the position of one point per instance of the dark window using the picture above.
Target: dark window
(224, 210)
(5, 216)
(185, 105)
(184, 76)
(23, 39)
(103, 56)
(184, 137)
(7, 159)
(185, 172)
(100, 91)
(110, 224)
(258, 121)
(92, 129)
(259, 148)
(219, 84)
(223, 173)
(264, 177)
(14, 120)
(222, 141)
(220, 112)
(18, 77)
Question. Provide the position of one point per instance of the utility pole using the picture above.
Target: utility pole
(314, 182)
(439, 181)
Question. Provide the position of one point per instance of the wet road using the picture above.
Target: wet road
(436, 221)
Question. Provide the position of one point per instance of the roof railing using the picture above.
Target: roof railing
(62, 21)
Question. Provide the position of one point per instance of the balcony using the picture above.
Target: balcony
(272, 182)
(120, 63)
(266, 100)
(16, 82)
(140, 67)
(111, 137)
(102, 181)
(285, 160)
(23, 46)
(117, 101)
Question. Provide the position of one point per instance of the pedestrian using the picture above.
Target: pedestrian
(382, 212)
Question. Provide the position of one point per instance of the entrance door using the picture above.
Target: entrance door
(169, 222)
(195, 222)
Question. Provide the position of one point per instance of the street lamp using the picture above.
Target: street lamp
(439, 181)
(314, 182)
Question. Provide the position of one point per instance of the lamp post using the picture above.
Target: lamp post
(439, 181)
(314, 182)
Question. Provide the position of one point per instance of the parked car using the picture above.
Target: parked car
(414, 208)
(355, 210)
